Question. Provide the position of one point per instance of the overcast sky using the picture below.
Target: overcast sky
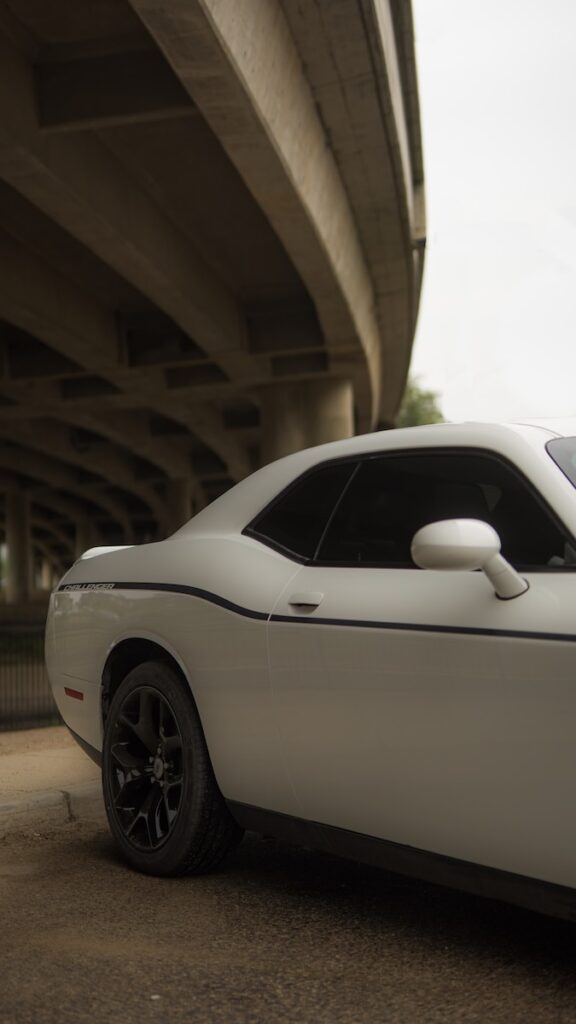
(497, 326)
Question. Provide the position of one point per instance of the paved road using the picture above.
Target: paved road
(283, 935)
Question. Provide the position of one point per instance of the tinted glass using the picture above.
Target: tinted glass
(563, 451)
(391, 497)
(296, 521)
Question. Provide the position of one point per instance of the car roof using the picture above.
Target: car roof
(241, 503)
(560, 426)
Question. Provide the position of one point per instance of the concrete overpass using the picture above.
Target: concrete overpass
(211, 244)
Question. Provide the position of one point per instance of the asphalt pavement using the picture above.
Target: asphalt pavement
(280, 934)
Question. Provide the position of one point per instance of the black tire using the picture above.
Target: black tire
(164, 807)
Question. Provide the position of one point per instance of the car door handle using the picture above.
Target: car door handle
(308, 599)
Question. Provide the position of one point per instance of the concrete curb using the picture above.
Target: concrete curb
(52, 808)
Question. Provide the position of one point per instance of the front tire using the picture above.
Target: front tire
(164, 807)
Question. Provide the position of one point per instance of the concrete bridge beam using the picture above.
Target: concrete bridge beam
(242, 69)
(76, 181)
(45, 470)
(40, 301)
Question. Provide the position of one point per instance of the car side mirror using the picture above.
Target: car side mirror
(464, 545)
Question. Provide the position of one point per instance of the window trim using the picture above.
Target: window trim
(361, 457)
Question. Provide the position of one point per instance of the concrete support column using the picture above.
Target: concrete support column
(178, 504)
(19, 545)
(84, 537)
(304, 414)
(46, 574)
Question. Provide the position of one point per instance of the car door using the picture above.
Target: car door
(415, 706)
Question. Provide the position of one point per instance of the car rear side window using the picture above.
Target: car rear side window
(296, 520)
(563, 451)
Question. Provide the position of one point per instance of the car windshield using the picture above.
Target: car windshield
(563, 451)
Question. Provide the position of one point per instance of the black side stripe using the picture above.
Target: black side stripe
(249, 613)
(170, 588)
(412, 627)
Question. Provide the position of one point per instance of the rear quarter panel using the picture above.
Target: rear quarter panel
(221, 650)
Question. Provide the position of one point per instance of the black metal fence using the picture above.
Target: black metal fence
(25, 697)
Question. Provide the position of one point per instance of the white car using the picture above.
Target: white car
(335, 652)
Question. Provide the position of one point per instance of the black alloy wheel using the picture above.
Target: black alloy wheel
(146, 777)
(163, 804)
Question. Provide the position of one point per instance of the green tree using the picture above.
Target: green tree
(418, 406)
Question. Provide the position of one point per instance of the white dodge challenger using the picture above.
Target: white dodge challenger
(367, 647)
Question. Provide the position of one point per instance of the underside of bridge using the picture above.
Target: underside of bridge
(211, 245)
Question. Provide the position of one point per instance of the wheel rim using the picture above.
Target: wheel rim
(146, 768)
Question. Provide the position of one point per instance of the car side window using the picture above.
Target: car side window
(392, 496)
(295, 522)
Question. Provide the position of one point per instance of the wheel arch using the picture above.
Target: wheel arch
(127, 654)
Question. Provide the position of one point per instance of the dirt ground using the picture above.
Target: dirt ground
(281, 934)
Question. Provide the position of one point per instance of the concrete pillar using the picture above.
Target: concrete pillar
(19, 544)
(178, 504)
(84, 537)
(304, 414)
(46, 574)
